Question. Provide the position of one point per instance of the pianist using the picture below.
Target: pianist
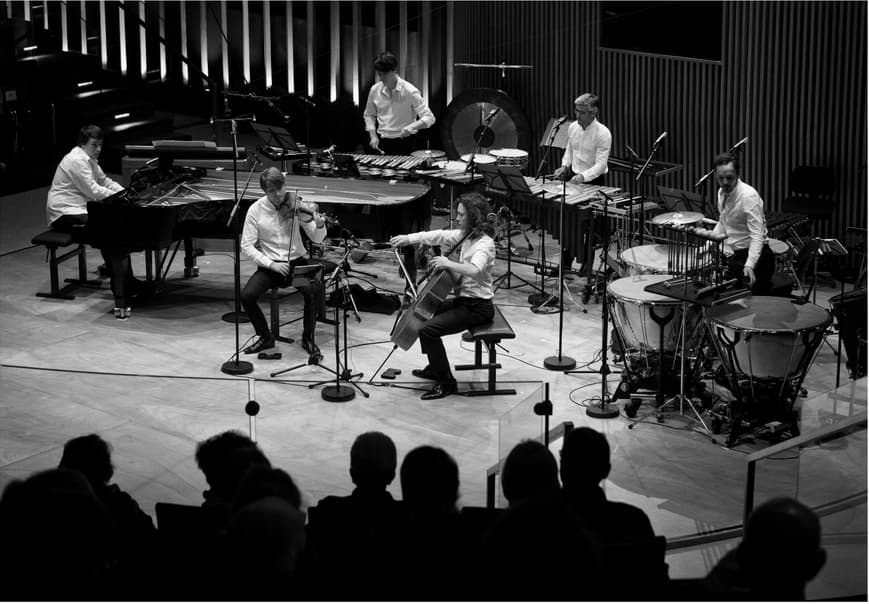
(272, 238)
(79, 179)
(395, 111)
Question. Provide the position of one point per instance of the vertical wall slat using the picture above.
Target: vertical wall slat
(82, 23)
(291, 72)
(310, 43)
(104, 43)
(354, 52)
(334, 48)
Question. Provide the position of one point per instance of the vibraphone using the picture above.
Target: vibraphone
(394, 162)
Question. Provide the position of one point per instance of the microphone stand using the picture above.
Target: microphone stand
(538, 301)
(472, 164)
(605, 409)
(634, 157)
(560, 362)
(235, 366)
(639, 176)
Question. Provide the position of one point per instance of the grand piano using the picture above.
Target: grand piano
(165, 206)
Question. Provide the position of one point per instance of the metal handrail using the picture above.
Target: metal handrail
(559, 431)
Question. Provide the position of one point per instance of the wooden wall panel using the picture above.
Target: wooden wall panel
(792, 78)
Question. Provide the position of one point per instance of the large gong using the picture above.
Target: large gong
(465, 121)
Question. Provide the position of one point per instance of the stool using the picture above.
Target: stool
(275, 316)
(491, 335)
(55, 239)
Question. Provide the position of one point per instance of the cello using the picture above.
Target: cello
(429, 298)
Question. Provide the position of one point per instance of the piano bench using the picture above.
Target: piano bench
(491, 335)
(52, 240)
(275, 315)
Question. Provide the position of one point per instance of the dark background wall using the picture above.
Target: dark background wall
(792, 77)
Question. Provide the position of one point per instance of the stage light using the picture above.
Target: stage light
(83, 84)
(29, 48)
(121, 116)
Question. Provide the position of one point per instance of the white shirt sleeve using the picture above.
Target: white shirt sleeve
(88, 182)
(567, 158)
(426, 118)
(602, 147)
(250, 237)
(315, 233)
(756, 223)
(370, 113)
(439, 237)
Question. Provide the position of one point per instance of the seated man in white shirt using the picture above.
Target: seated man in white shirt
(395, 111)
(78, 180)
(741, 218)
(587, 152)
(272, 238)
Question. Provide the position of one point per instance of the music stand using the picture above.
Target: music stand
(511, 181)
(346, 163)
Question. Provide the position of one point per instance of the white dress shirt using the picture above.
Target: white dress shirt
(266, 234)
(480, 252)
(388, 112)
(741, 219)
(588, 149)
(78, 179)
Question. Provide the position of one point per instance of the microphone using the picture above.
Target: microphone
(660, 138)
(561, 120)
(348, 235)
(739, 144)
(307, 101)
(632, 152)
(328, 150)
(491, 217)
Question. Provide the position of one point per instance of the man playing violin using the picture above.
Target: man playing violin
(272, 238)
(472, 304)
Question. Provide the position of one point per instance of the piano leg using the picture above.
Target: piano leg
(190, 268)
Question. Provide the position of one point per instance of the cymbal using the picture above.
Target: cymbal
(428, 154)
(678, 218)
(485, 115)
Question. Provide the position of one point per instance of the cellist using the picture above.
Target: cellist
(472, 304)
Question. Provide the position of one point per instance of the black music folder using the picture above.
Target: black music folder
(504, 178)
(275, 136)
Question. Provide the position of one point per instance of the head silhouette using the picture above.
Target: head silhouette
(585, 459)
(224, 459)
(261, 481)
(529, 471)
(430, 479)
(372, 461)
(90, 455)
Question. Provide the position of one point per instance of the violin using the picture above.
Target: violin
(306, 210)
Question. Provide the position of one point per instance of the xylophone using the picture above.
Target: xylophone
(394, 162)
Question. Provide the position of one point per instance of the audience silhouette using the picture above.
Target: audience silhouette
(71, 534)
(529, 471)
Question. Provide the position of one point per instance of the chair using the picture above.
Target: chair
(812, 189)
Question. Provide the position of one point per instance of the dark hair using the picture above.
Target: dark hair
(430, 478)
(478, 210)
(261, 482)
(585, 458)
(271, 175)
(372, 460)
(88, 132)
(722, 159)
(90, 455)
(385, 61)
(529, 471)
(225, 458)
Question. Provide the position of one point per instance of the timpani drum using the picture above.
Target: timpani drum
(631, 308)
(510, 157)
(782, 251)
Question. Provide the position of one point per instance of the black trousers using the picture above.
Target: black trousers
(117, 260)
(595, 228)
(401, 146)
(454, 316)
(264, 279)
(763, 270)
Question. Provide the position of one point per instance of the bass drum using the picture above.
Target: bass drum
(463, 123)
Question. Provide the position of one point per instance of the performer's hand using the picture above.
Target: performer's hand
(560, 172)
(439, 262)
(407, 131)
(400, 241)
(282, 268)
(319, 221)
(578, 179)
(749, 273)
(374, 143)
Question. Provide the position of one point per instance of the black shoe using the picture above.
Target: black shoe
(261, 343)
(143, 289)
(311, 348)
(103, 271)
(467, 337)
(425, 374)
(440, 391)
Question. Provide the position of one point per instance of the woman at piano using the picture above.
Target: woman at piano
(472, 304)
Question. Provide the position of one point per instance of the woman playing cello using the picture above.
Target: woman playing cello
(472, 304)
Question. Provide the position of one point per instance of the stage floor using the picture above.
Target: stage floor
(152, 386)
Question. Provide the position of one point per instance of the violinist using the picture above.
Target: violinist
(472, 304)
(272, 238)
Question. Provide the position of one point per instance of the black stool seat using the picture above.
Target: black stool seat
(52, 240)
(491, 335)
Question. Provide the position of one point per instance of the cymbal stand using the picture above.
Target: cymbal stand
(235, 366)
(640, 174)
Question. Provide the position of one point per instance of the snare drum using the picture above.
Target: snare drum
(659, 258)
(479, 158)
(510, 157)
(782, 251)
(631, 307)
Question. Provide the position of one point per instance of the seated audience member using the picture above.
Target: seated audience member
(430, 491)
(779, 554)
(529, 471)
(56, 540)
(538, 550)
(134, 529)
(264, 540)
(262, 481)
(354, 542)
(224, 459)
(585, 462)
(78, 180)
